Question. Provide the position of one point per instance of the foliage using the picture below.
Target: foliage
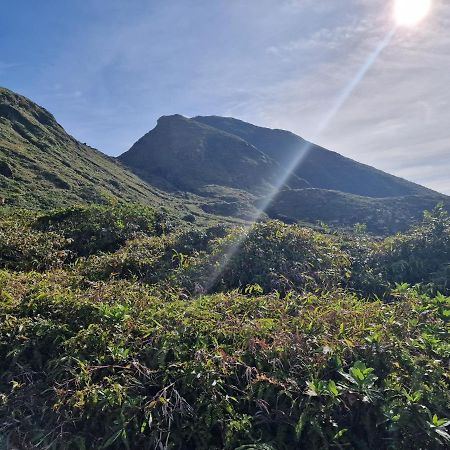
(151, 259)
(122, 348)
(275, 256)
(22, 248)
(111, 366)
(421, 255)
(95, 228)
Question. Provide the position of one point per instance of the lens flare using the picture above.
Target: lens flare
(409, 13)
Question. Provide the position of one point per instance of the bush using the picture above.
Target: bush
(421, 255)
(150, 259)
(274, 256)
(95, 228)
(22, 248)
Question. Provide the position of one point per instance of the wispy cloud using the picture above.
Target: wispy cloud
(279, 63)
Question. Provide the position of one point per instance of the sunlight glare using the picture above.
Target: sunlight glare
(409, 13)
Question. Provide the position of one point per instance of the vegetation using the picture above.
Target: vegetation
(383, 216)
(320, 168)
(42, 166)
(119, 329)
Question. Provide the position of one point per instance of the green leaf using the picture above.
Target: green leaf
(333, 388)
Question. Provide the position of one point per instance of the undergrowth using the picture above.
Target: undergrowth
(117, 331)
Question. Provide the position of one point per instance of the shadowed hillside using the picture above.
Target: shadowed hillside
(321, 168)
(182, 154)
(199, 173)
(380, 215)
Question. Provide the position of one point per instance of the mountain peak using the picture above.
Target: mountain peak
(183, 154)
(172, 118)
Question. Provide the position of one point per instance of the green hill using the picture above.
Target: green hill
(380, 215)
(185, 155)
(233, 168)
(204, 170)
(42, 166)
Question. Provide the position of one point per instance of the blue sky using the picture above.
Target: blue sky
(107, 69)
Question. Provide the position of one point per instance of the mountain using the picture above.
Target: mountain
(42, 166)
(236, 167)
(181, 154)
(321, 168)
(203, 170)
(190, 154)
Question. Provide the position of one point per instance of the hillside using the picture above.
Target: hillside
(232, 167)
(197, 172)
(321, 168)
(381, 215)
(41, 166)
(189, 154)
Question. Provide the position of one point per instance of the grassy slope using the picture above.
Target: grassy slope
(41, 166)
(50, 168)
(222, 160)
(181, 154)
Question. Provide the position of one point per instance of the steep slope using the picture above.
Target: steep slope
(182, 154)
(198, 172)
(321, 168)
(42, 166)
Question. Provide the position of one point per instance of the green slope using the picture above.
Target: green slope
(195, 172)
(182, 154)
(42, 166)
(380, 215)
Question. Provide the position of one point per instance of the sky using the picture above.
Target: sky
(107, 69)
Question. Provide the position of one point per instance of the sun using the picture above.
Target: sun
(409, 13)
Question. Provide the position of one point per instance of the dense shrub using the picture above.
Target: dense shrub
(114, 367)
(22, 248)
(418, 256)
(95, 228)
(114, 344)
(274, 256)
(151, 259)
(147, 259)
(421, 255)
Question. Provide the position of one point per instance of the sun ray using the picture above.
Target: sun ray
(302, 153)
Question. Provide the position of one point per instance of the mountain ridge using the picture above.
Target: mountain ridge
(43, 167)
(199, 172)
(183, 154)
(273, 141)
